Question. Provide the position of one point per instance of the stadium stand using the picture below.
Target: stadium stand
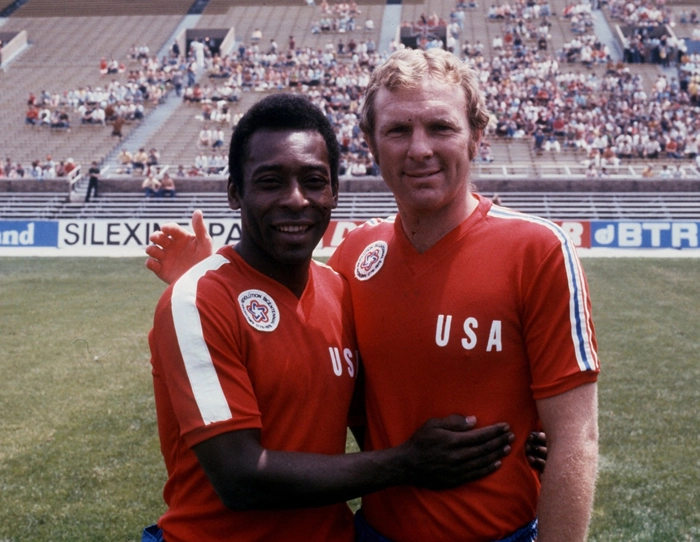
(356, 206)
(67, 41)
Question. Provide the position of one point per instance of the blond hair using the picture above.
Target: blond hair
(408, 68)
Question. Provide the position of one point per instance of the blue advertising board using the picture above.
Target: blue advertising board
(644, 234)
(100, 237)
(28, 233)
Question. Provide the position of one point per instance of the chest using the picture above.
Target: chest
(302, 357)
(460, 307)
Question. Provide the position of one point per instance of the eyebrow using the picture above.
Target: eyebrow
(323, 168)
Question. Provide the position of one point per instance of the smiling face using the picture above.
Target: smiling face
(423, 144)
(285, 200)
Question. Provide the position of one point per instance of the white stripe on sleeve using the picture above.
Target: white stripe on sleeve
(586, 356)
(207, 390)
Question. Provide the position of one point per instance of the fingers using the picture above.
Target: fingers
(153, 265)
(537, 438)
(536, 463)
(173, 231)
(485, 439)
(490, 450)
(447, 452)
(454, 422)
(536, 445)
(198, 226)
(460, 471)
(155, 252)
(161, 237)
(536, 451)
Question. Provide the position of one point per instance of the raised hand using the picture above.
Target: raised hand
(175, 250)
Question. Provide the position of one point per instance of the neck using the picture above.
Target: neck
(424, 231)
(292, 276)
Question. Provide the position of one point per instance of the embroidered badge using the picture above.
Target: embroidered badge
(371, 260)
(259, 309)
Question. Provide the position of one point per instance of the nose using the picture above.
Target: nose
(420, 146)
(295, 197)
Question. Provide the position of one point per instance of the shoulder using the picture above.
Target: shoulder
(359, 239)
(526, 229)
(209, 281)
(373, 230)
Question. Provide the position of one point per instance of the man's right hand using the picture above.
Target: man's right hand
(175, 250)
(447, 452)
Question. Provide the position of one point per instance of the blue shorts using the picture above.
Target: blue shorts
(152, 534)
(364, 532)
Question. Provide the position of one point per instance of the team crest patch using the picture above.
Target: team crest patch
(371, 260)
(259, 309)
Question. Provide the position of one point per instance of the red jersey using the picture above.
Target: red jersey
(233, 349)
(491, 318)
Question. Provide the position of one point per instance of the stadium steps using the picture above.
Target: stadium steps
(102, 8)
(59, 60)
(354, 206)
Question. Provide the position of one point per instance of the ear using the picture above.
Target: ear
(234, 199)
(335, 188)
(372, 146)
(474, 143)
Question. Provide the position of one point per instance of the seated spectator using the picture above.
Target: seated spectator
(219, 139)
(358, 169)
(201, 162)
(44, 116)
(609, 157)
(69, 166)
(98, 116)
(485, 152)
(151, 185)
(32, 116)
(677, 172)
(49, 167)
(140, 159)
(205, 137)
(167, 186)
(125, 159)
(153, 157)
(36, 171)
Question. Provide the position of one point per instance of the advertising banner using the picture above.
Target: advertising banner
(130, 237)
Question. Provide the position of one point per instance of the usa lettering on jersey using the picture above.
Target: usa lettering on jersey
(349, 358)
(469, 340)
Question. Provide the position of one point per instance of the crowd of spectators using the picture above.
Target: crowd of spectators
(137, 162)
(606, 118)
(334, 78)
(38, 169)
(647, 37)
(157, 185)
(121, 99)
(609, 118)
(341, 17)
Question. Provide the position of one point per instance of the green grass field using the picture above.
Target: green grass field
(79, 457)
